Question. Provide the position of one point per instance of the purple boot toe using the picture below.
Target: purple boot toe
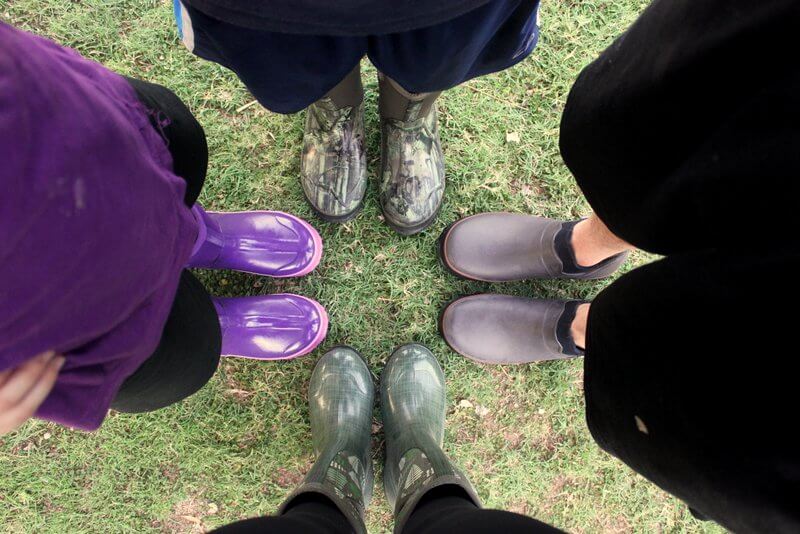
(270, 327)
(267, 243)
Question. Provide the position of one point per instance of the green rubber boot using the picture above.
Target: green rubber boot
(340, 398)
(413, 405)
(412, 165)
(333, 167)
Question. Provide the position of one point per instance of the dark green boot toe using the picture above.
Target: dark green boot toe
(413, 405)
(341, 396)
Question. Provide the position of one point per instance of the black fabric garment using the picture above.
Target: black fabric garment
(288, 72)
(183, 135)
(447, 509)
(186, 357)
(684, 137)
(317, 514)
(690, 377)
(564, 329)
(342, 17)
(683, 134)
(189, 351)
(440, 512)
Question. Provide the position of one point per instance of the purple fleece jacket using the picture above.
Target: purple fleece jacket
(93, 228)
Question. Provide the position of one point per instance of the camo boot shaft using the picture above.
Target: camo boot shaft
(333, 166)
(412, 179)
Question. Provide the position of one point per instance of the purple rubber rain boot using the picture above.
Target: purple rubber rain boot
(268, 243)
(270, 327)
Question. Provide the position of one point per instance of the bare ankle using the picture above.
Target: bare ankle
(593, 242)
(578, 328)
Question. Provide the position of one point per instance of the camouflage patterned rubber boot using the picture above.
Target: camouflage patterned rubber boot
(412, 166)
(413, 406)
(333, 168)
(340, 397)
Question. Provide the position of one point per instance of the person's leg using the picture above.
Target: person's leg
(416, 66)
(349, 92)
(666, 148)
(592, 242)
(412, 177)
(336, 491)
(333, 496)
(686, 358)
(284, 72)
(429, 494)
(287, 73)
(446, 509)
(183, 135)
(333, 164)
(199, 327)
(577, 327)
(492, 328)
(413, 407)
(498, 247)
(316, 514)
(688, 381)
(435, 58)
(267, 243)
(186, 358)
(189, 350)
(686, 369)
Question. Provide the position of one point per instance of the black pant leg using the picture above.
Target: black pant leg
(445, 510)
(186, 358)
(683, 134)
(690, 377)
(188, 353)
(318, 516)
(183, 135)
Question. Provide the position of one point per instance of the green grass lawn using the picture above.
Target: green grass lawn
(241, 444)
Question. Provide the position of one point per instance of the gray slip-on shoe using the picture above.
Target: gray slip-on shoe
(503, 247)
(503, 329)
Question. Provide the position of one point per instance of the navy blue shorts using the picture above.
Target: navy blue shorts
(287, 72)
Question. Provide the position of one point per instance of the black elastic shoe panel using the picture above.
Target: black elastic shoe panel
(564, 327)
